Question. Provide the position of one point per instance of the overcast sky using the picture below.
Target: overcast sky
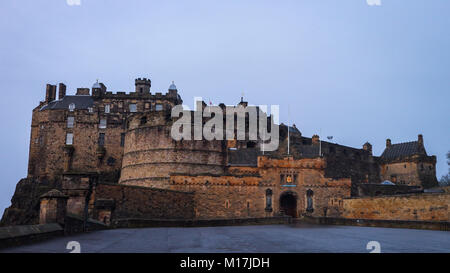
(356, 72)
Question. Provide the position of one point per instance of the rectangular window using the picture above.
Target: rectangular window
(158, 107)
(133, 108)
(90, 110)
(122, 139)
(69, 139)
(107, 108)
(102, 124)
(101, 139)
(70, 122)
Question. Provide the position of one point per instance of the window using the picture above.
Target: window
(309, 201)
(101, 139)
(70, 121)
(107, 108)
(102, 123)
(158, 107)
(71, 107)
(133, 108)
(268, 200)
(143, 120)
(69, 138)
(122, 139)
(90, 110)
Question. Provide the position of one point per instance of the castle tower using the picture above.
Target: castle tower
(151, 155)
(143, 85)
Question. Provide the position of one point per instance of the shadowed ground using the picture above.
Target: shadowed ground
(268, 238)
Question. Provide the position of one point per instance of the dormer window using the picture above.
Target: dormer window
(107, 108)
(102, 124)
(71, 107)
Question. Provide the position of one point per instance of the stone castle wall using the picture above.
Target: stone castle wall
(143, 202)
(422, 207)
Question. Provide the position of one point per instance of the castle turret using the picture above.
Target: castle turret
(173, 92)
(98, 89)
(367, 147)
(143, 85)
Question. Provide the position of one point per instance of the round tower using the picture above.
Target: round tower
(151, 155)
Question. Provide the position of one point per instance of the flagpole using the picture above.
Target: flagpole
(289, 121)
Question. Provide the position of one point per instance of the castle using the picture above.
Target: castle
(111, 156)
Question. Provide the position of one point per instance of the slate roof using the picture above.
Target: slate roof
(402, 150)
(80, 101)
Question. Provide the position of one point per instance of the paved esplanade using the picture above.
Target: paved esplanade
(269, 238)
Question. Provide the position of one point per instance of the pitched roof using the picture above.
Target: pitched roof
(80, 101)
(402, 150)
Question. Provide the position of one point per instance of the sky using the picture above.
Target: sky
(345, 69)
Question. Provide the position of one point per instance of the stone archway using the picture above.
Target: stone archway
(288, 203)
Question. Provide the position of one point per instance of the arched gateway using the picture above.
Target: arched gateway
(288, 203)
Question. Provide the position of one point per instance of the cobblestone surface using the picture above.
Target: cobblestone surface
(269, 238)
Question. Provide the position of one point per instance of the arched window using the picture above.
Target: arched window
(309, 201)
(71, 107)
(268, 200)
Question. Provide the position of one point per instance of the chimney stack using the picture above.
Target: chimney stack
(315, 139)
(62, 91)
(388, 143)
(420, 139)
(50, 93)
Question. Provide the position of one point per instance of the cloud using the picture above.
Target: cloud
(373, 2)
(73, 2)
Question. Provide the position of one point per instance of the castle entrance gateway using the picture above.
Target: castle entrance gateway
(288, 203)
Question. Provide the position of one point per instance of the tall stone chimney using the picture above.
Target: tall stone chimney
(50, 93)
(62, 91)
(388, 143)
(420, 139)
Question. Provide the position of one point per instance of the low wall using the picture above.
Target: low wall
(17, 235)
(409, 207)
(141, 223)
(433, 225)
(143, 202)
(75, 224)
